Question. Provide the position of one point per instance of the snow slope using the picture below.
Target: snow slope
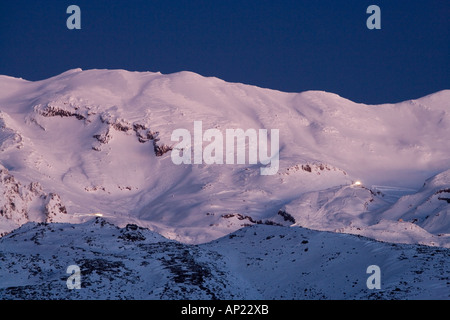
(94, 141)
(257, 262)
(422, 217)
(128, 263)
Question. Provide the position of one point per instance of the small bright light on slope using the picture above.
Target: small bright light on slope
(357, 183)
(98, 215)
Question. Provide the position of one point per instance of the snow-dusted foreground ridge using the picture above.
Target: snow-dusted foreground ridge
(256, 262)
(98, 142)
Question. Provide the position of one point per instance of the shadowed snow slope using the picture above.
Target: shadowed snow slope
(257, 262)
(94, 142)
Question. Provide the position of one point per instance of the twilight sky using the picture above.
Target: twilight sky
(291, 46)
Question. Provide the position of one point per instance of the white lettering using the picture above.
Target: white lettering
(235, 152)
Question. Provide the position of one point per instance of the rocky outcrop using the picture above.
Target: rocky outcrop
(111, 122)
(316, 167)
(54, 208)
(50, 110)
(13, 200)
(248, 221)
(444, 195)
(17, 200)
(141, 130)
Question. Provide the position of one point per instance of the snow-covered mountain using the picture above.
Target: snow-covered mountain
(98, 142)
(257, 262)
(422, 217)
(87, 178)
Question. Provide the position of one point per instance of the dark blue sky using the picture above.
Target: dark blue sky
(285, 45)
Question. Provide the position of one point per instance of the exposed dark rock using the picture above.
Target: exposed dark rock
(286, 216)
(131, 233)
(160, 150)
(52, 111)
